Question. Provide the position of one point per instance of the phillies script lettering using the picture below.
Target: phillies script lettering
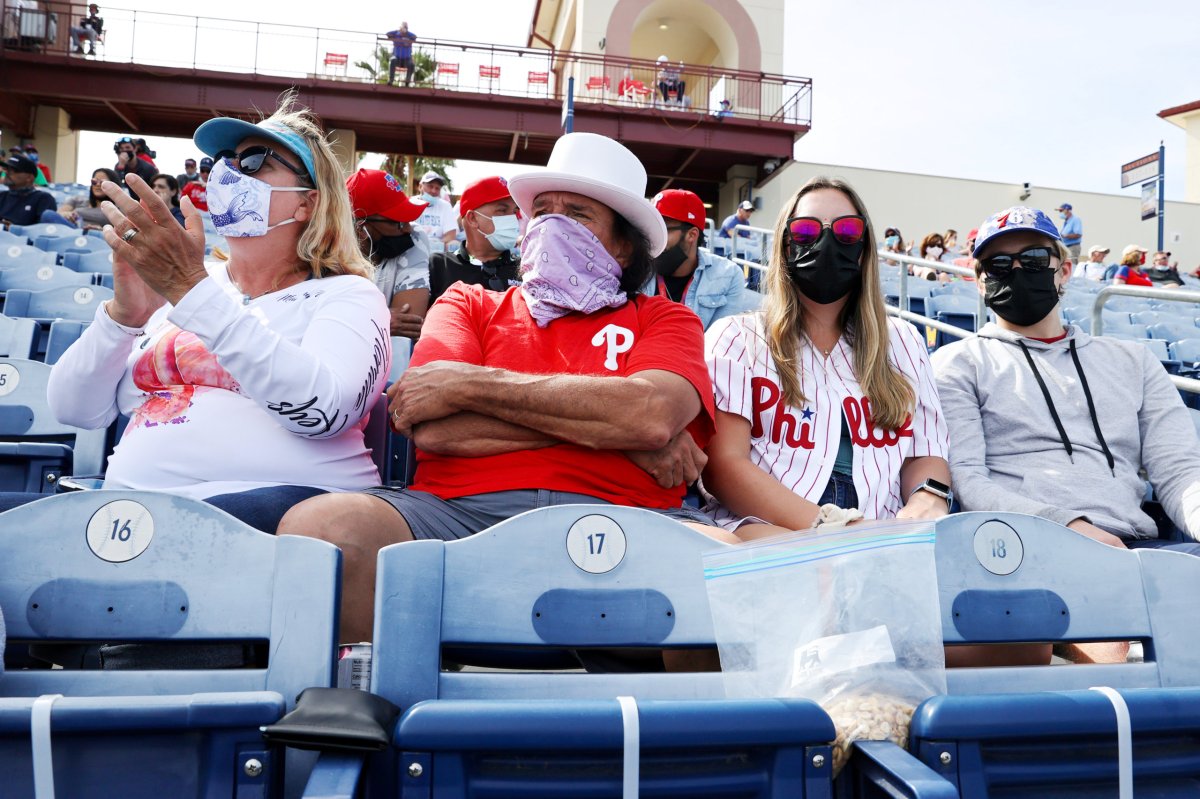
(784, 424)
(798, 433)
(863, 430)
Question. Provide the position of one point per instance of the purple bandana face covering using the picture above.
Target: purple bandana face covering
(567, 269)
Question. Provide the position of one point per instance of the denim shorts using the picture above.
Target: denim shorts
(840, 491)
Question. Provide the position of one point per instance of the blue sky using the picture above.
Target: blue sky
(1057, 94)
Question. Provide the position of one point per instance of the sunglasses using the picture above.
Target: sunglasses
(250, 160)
(1034, 259)
(803, 231)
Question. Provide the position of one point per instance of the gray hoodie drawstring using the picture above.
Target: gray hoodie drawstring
(1087, 393)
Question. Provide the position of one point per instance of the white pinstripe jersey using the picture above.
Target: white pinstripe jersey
(797, 446)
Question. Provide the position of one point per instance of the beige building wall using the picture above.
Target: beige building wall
(923, 204)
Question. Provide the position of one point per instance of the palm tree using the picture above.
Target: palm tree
(424, 68)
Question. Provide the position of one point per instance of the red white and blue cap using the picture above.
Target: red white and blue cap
(374, 192)
(1012, 220)
(483, 191)
(225, 133)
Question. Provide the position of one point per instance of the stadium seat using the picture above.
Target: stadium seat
(63, 333)
(1156, 346)
(17, 337)
(1173, 331)
(35, 449)
(1187, 350)
(1125, 330)
(966, 288)
(67, 302)
(17, 255)
(34, 277)
(953, 309)
(9, 239)
(149, 567)
(97, 261)
(1036, 730)
(78, 243)
(918, 292)
(600, 583)
(1127, 304)
(32, 233)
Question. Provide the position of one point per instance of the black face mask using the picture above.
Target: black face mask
(671, 259)
(386, 247)
(1023, 298)
(828, 270)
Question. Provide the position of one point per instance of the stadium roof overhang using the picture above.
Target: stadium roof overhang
(681, 150)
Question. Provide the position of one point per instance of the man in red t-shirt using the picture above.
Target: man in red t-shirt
(197, 190)
(571, 388)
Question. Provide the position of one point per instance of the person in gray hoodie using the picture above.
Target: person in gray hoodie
(1047, 420)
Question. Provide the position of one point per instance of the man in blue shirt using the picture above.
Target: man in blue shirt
(710, 285)
(1072, 230)
(739, 217)
(22, 204)
(402, 41)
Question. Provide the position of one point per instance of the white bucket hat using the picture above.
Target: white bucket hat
(602, 169)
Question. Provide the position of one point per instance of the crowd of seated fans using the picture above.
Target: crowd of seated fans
(582, 345)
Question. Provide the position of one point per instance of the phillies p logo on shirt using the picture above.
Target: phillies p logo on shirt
(617, 340)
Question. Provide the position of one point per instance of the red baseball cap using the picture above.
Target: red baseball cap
(483, 191)
(374, 192)
(680, 205)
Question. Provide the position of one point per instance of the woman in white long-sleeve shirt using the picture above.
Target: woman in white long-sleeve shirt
(248, 383)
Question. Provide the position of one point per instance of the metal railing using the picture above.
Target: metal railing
(152, 38)
(1171, 295)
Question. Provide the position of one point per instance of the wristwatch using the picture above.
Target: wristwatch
(938, 489)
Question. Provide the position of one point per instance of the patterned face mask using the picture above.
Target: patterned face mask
(567, 270)
(240, 204)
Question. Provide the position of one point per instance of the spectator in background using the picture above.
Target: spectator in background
(81, 213)
(1094, 267)
(167, 188)
(197, 190)
(190, 173)
(128, 163)
(23, 204)
(1130, 272)
(1162, 274)
(739, 217)
(32, 154)
(438, 222)
(90, 28)
(145, 153)
(1072, 230)
(670, 80)
(893, 241)
(491, 223)
(933, 247)
(383, 217)
(966, 260)
(402, 41)
(685, 272)
(950, 242)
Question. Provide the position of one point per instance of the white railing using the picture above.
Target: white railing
(1171, 295)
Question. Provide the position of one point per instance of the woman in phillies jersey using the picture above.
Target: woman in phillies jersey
(821, 398)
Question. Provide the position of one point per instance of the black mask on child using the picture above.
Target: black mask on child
(671, 259)
(386, 247)
(826, 271)
(1023, 298)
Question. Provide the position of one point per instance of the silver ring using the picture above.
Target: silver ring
(128, 235)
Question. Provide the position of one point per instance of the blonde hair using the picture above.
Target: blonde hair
(1132, 259)
(863, 319)
(329, 244)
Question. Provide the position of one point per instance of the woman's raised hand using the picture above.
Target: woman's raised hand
(144, 236)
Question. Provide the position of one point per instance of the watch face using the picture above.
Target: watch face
(937, 486)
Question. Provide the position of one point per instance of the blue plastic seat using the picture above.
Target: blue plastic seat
(965, 288)
(148, 567)
(63, 333)
(97, 261)
(50, 229)
(528, 733)
(35, 449)
(68, 302)
(918, 292)
(34, 277)
(1125, 330)
(1173, 330)
(1187, 350)
(17, 337)
(1037, 730)
(13, 256)
(76, 243)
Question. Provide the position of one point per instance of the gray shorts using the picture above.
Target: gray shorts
(449, 519)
